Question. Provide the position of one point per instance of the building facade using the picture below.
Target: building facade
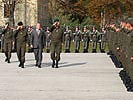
(29, 12)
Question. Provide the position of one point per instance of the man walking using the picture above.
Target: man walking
(21, 37)
(56, 42)
(38, 43)
(8, 40)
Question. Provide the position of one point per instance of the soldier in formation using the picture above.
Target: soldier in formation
(67, 35)
(85, 39)
(102, 40)
(94, 38)
(77, 39)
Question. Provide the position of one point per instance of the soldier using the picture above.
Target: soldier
(38, 43)
(77, 39)
(8, 40)
(48, 40)
(67, 35)
(21, 37)
(94, 34)
(102, 40)
(30, 29)
(56, 42)
(85, 39)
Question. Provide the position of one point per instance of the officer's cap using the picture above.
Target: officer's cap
(20, 23)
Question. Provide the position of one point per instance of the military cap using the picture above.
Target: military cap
(20, 23)
(56, 20)
(7, 23)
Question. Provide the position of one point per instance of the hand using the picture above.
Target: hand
(18, 28)
(31, 46)
(6, 26)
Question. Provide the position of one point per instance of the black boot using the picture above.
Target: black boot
(39, 66)
(22, 65)
(36, 63)
(8, 61)
(56, 64)
(53, 64)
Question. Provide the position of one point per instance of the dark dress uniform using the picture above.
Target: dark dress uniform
(21, 37)
(86, 39)
(94, 40)
(67, 35)
(102, 41)
(8, 40)
(56, 44)
(77, 39)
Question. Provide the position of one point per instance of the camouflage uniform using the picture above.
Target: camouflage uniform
(21, 37)
(56, 44)
(8, 39)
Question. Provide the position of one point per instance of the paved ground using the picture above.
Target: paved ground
(80, 77)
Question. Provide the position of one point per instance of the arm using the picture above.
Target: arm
(52, 28)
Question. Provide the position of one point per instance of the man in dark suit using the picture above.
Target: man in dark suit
(38, 43)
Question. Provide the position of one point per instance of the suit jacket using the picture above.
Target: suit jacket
(37, 40)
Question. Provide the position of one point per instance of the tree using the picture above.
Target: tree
(9, 8)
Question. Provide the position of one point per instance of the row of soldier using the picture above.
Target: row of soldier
(120, 40)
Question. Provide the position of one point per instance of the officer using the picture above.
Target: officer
(77, 39)
(67, 35)
(8, 41)
(21, 37)
(102, 40)
(48, 40)
(56, 42)
(94, 34)
(85, 39)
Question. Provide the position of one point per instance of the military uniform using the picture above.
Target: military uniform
(8, 40)
(56, 44)
(67, 35)
(94, 40)
(102, 40)
(86, 39)
(21, 37)
(77, 39)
